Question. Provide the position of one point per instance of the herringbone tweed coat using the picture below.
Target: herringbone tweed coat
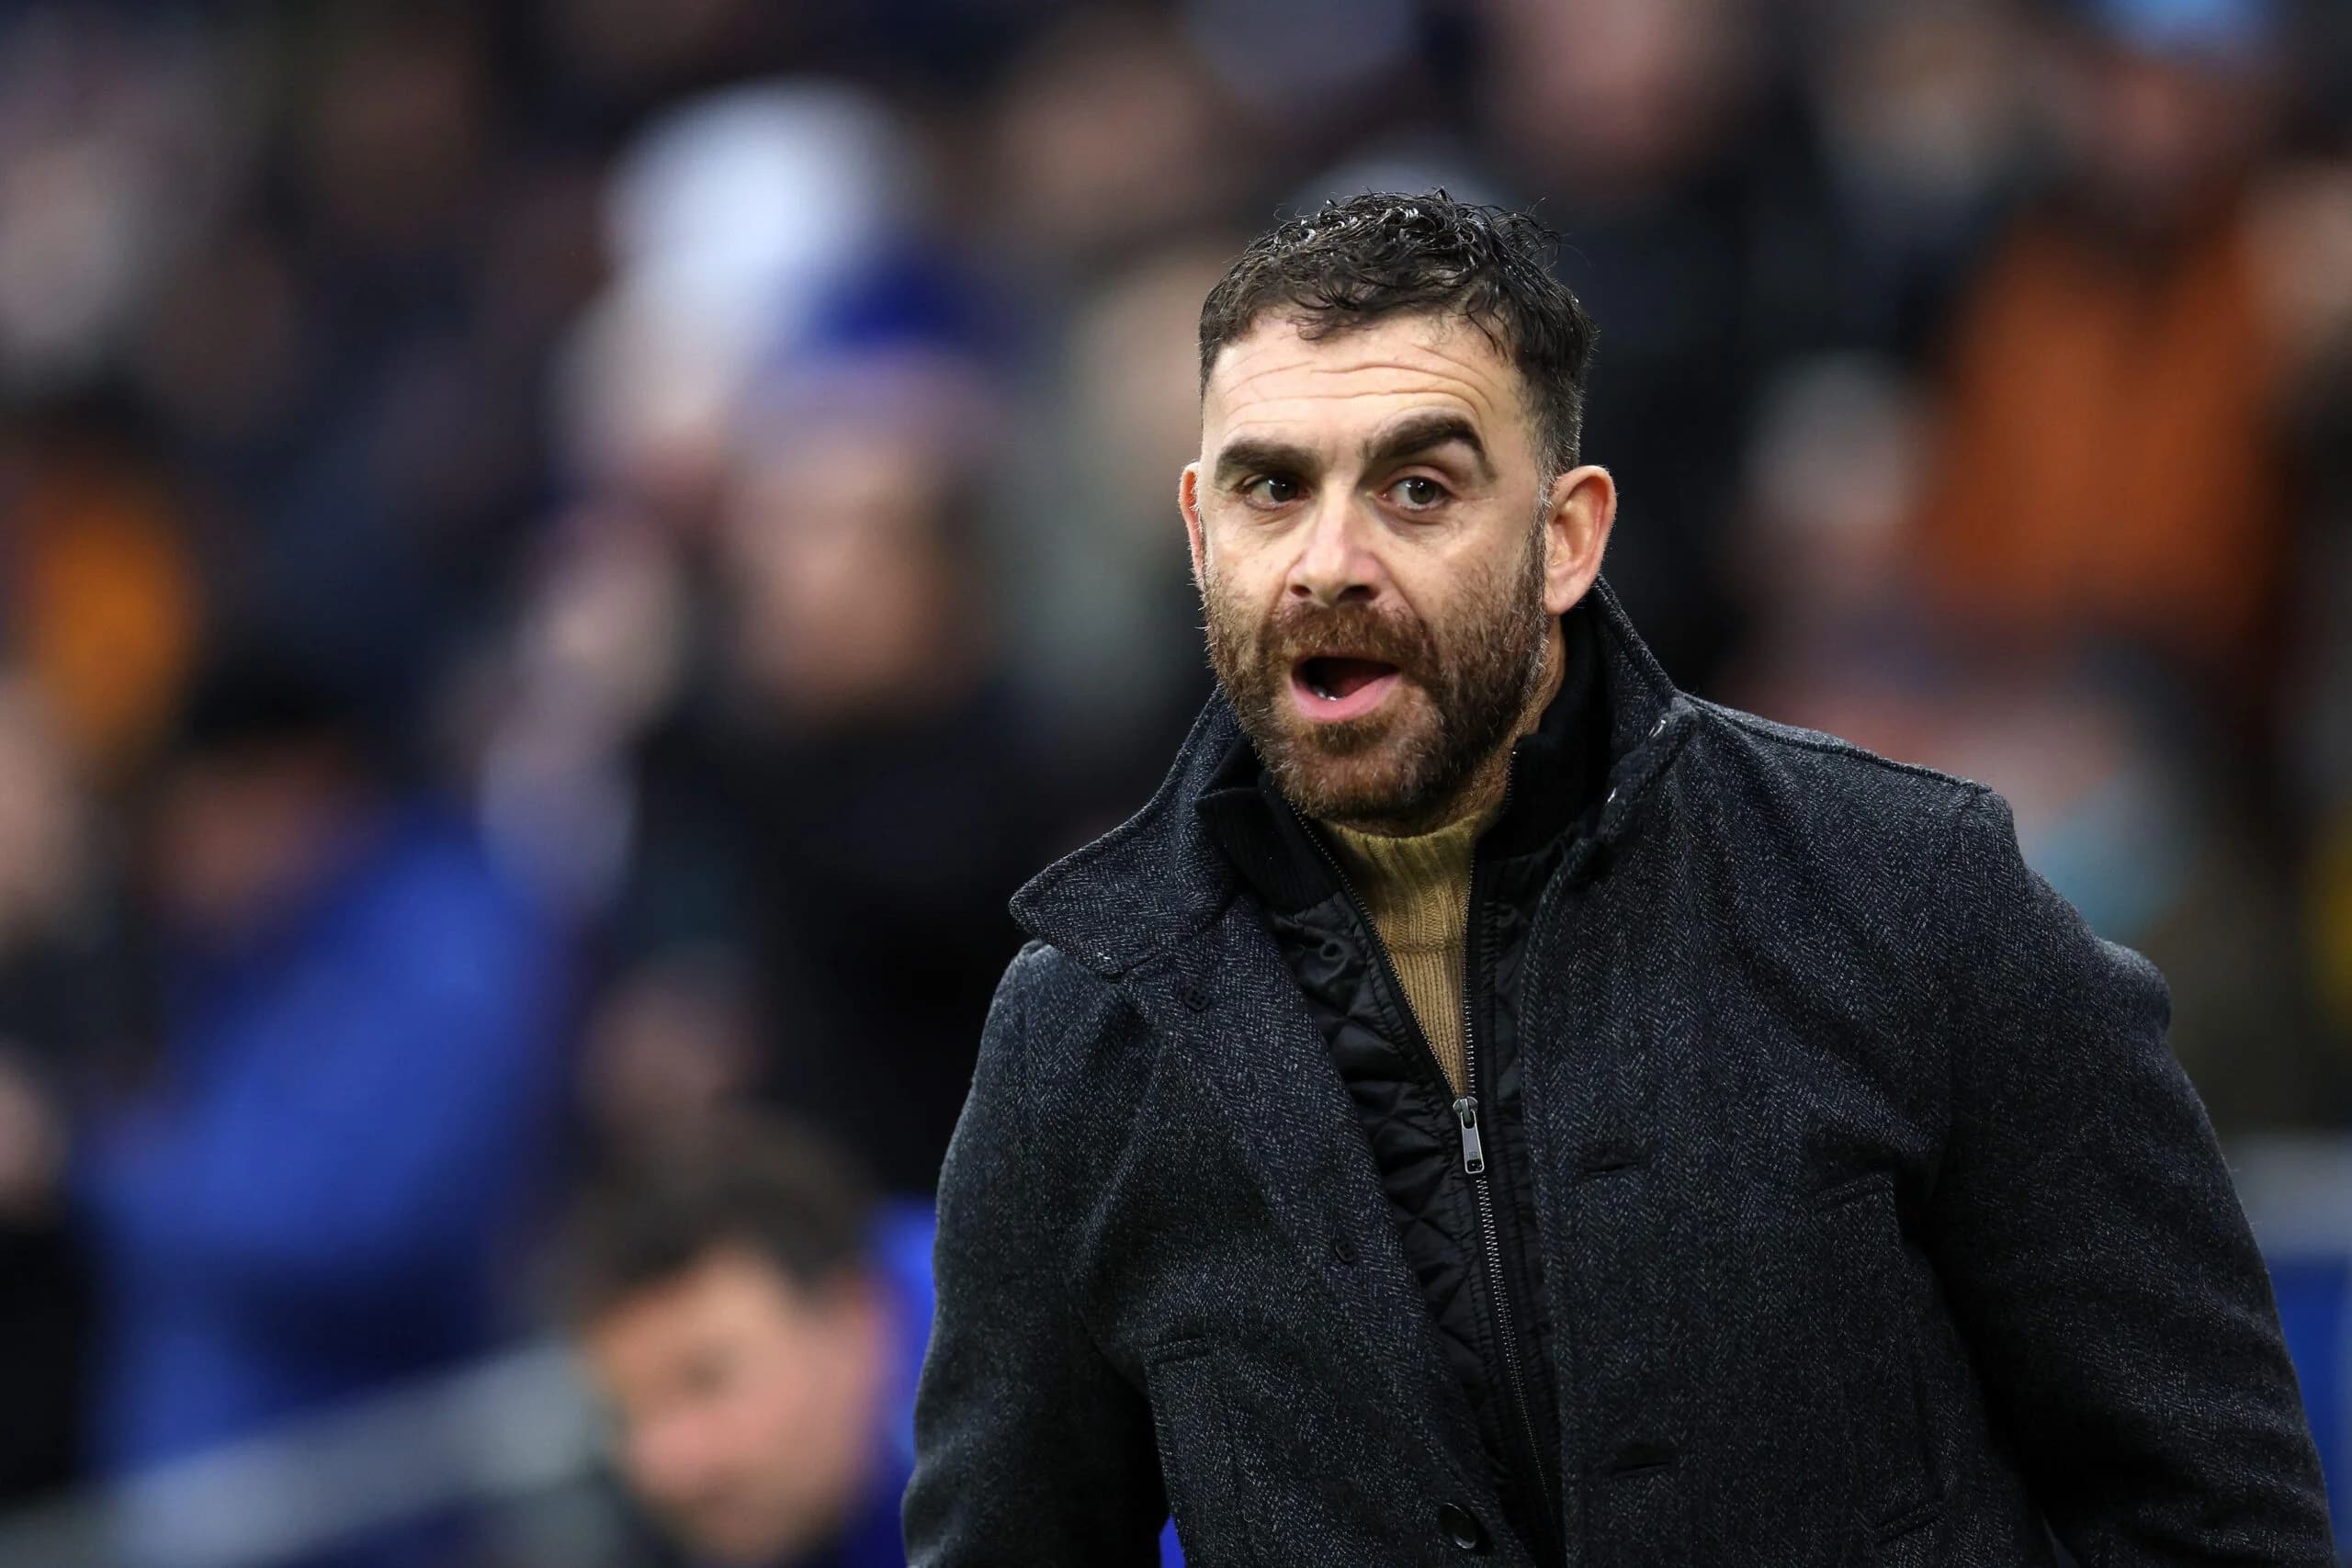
(1878, 1223)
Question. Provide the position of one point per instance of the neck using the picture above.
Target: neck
(1481, 794)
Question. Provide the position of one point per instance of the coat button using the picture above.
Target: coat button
(1343, 1249)
(1461, 1527)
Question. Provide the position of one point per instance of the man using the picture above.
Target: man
(1490, 1103)
(754, 1326)
(755, 1322)
(803, 814)
(310, 1190)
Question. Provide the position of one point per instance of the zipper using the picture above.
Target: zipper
(1474, 1163)
(1474, 1147)
(1465, 1110)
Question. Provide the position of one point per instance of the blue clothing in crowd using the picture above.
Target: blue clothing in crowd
(318, 1191)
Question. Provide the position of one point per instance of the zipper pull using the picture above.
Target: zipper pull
(1473, 1148)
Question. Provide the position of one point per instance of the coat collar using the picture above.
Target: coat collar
(1160, 879)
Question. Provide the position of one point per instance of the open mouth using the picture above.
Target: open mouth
(1330, 687)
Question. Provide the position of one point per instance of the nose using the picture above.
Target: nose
(1335, 564)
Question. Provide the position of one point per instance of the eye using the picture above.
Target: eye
(1417, 492)
(1270, 490)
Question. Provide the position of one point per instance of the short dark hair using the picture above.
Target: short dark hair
(1357, 261)
(767, 1188)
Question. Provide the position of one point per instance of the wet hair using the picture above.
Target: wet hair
(761, 1187)
(1361, 260)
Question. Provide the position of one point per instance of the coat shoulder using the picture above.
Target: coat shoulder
(1828, 760)
(1878, 839)
(1044, 981)
(1835, 781)
(1064, 1029)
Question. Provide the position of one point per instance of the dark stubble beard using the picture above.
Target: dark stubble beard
(1403, 767)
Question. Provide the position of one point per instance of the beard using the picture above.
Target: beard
(1461, 692)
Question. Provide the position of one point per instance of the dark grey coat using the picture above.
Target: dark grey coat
(1878, 1222)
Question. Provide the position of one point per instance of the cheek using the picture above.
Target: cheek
(1222, 561)
(668, 1454)
(783, 1391)
(782, 1404)
(1239, 540)
(1473, 604)
(1233, 604)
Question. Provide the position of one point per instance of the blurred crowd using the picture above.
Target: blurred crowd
(560, 559)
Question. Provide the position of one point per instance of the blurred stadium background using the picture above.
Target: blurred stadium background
(560, 559)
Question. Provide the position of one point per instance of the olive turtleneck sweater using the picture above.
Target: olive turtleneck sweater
(1417, 891)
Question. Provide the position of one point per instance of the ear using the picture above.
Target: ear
(1188, 501)
(1581, 509)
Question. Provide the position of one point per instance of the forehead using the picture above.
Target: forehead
(731, 1293)
(1276, 382)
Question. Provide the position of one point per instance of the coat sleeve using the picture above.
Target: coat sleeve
(2092, 1248)
(1031, 1448)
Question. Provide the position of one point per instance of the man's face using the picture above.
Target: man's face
(748, 1408)
(1380, 561)
(846, 595)
(239, 836)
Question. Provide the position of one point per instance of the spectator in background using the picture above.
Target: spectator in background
(2114, 462)
(755, 1323)
(1107, 136)
(1106, 617)
(1919, 117)
(848, 806)
(316, 1186)
(1641, 125)
(755, 1320)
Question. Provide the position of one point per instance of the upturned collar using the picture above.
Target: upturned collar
(1217, 821)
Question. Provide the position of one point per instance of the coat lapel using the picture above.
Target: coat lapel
(1233, 1013)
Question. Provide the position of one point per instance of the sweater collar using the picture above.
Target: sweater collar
(1217, 822)
(1438, 856)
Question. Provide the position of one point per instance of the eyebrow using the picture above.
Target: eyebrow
(1248, 455)
(1412, 437)
(1424, 432)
